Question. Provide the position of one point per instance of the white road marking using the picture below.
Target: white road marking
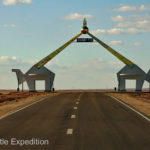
(75, 107)
(24, 107)
(69, 131)
(73, 116)
(77, 103)
(131, 108)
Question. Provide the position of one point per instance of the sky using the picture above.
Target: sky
(32, 29)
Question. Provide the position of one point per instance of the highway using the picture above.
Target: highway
(76, 121)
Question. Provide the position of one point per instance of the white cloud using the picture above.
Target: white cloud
(116, 42)
(117, 31)
(14, 58)
(9, 26)
(99, 31)
(77, 16)
(143, 8)
(136, 44)
(117, 18)
(3, 58)
(138, 24)
(16, 2)
(12, 61)
(138, 17)
(90, 73)
(127, 8)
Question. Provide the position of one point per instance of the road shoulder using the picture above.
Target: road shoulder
(8, 108)
(137, 102)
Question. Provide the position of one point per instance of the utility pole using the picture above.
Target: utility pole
(22, 86)
(18, 84)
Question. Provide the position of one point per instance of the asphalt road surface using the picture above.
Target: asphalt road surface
(75, 121)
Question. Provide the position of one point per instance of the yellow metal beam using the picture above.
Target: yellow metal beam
(54, 53)
(119, 56)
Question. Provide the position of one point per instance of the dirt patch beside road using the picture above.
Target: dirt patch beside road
(13, 101)
(140, 101)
